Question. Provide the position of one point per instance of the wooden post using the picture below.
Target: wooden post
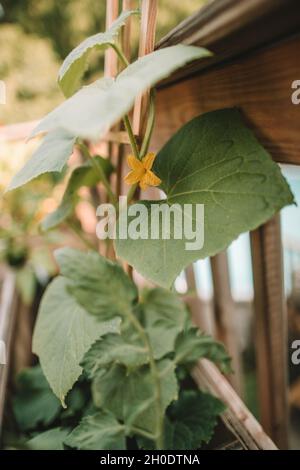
(201, 314)
(8, 311)
(224, 309)
(271, 330)
(22, 337)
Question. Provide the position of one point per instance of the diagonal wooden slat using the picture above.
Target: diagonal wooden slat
(237, 416)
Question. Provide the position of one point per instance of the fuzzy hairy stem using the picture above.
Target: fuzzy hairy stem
(159, 438)
(133, 142)
(80, 235)
(98, 169)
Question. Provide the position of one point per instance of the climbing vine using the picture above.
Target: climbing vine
(134, 349)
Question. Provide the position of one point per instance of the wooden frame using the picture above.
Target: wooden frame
(233, 28)
(237, 417)
(253, 69)
(271, 329)
(236, 32)
(264, 97)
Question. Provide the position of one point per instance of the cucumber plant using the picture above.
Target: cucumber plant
(136, 348)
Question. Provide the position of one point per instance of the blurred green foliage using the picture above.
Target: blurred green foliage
(64, 22)
(67, 22)
(39, 34)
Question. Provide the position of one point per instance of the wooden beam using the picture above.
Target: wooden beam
(270, 330)
(231, 28)
(259, 84)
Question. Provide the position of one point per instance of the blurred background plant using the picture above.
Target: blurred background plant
(51, 29)
(36, 37)
(22, 247)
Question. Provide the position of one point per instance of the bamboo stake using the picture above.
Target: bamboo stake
(126, 37)
(111, 70)
(110, 61)
(147, 42)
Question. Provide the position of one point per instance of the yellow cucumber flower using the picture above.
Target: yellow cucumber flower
(141, 171)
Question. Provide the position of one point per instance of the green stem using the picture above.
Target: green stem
(98, 169)
(135, 151)
(143, 433)
(159, 438)
(131, 192)
(131, 136)
(120, 54)
(146, 140)
(79, 234)
(127, 124)
(150, 125)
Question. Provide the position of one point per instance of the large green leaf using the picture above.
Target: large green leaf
(81, 109)
(32, 378)
(83, 175)
(61, 214)
(51, 155)
(100, 431)
(48, 440)
(192, 419)
(177, 436)
(131, 397)
(189, 421)
(192, 345)
(164, 317)
(91, 111)
(75, 63)
(99, 285)
(34, 403)
(214, 160)
(63, 333)
(114, 349)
